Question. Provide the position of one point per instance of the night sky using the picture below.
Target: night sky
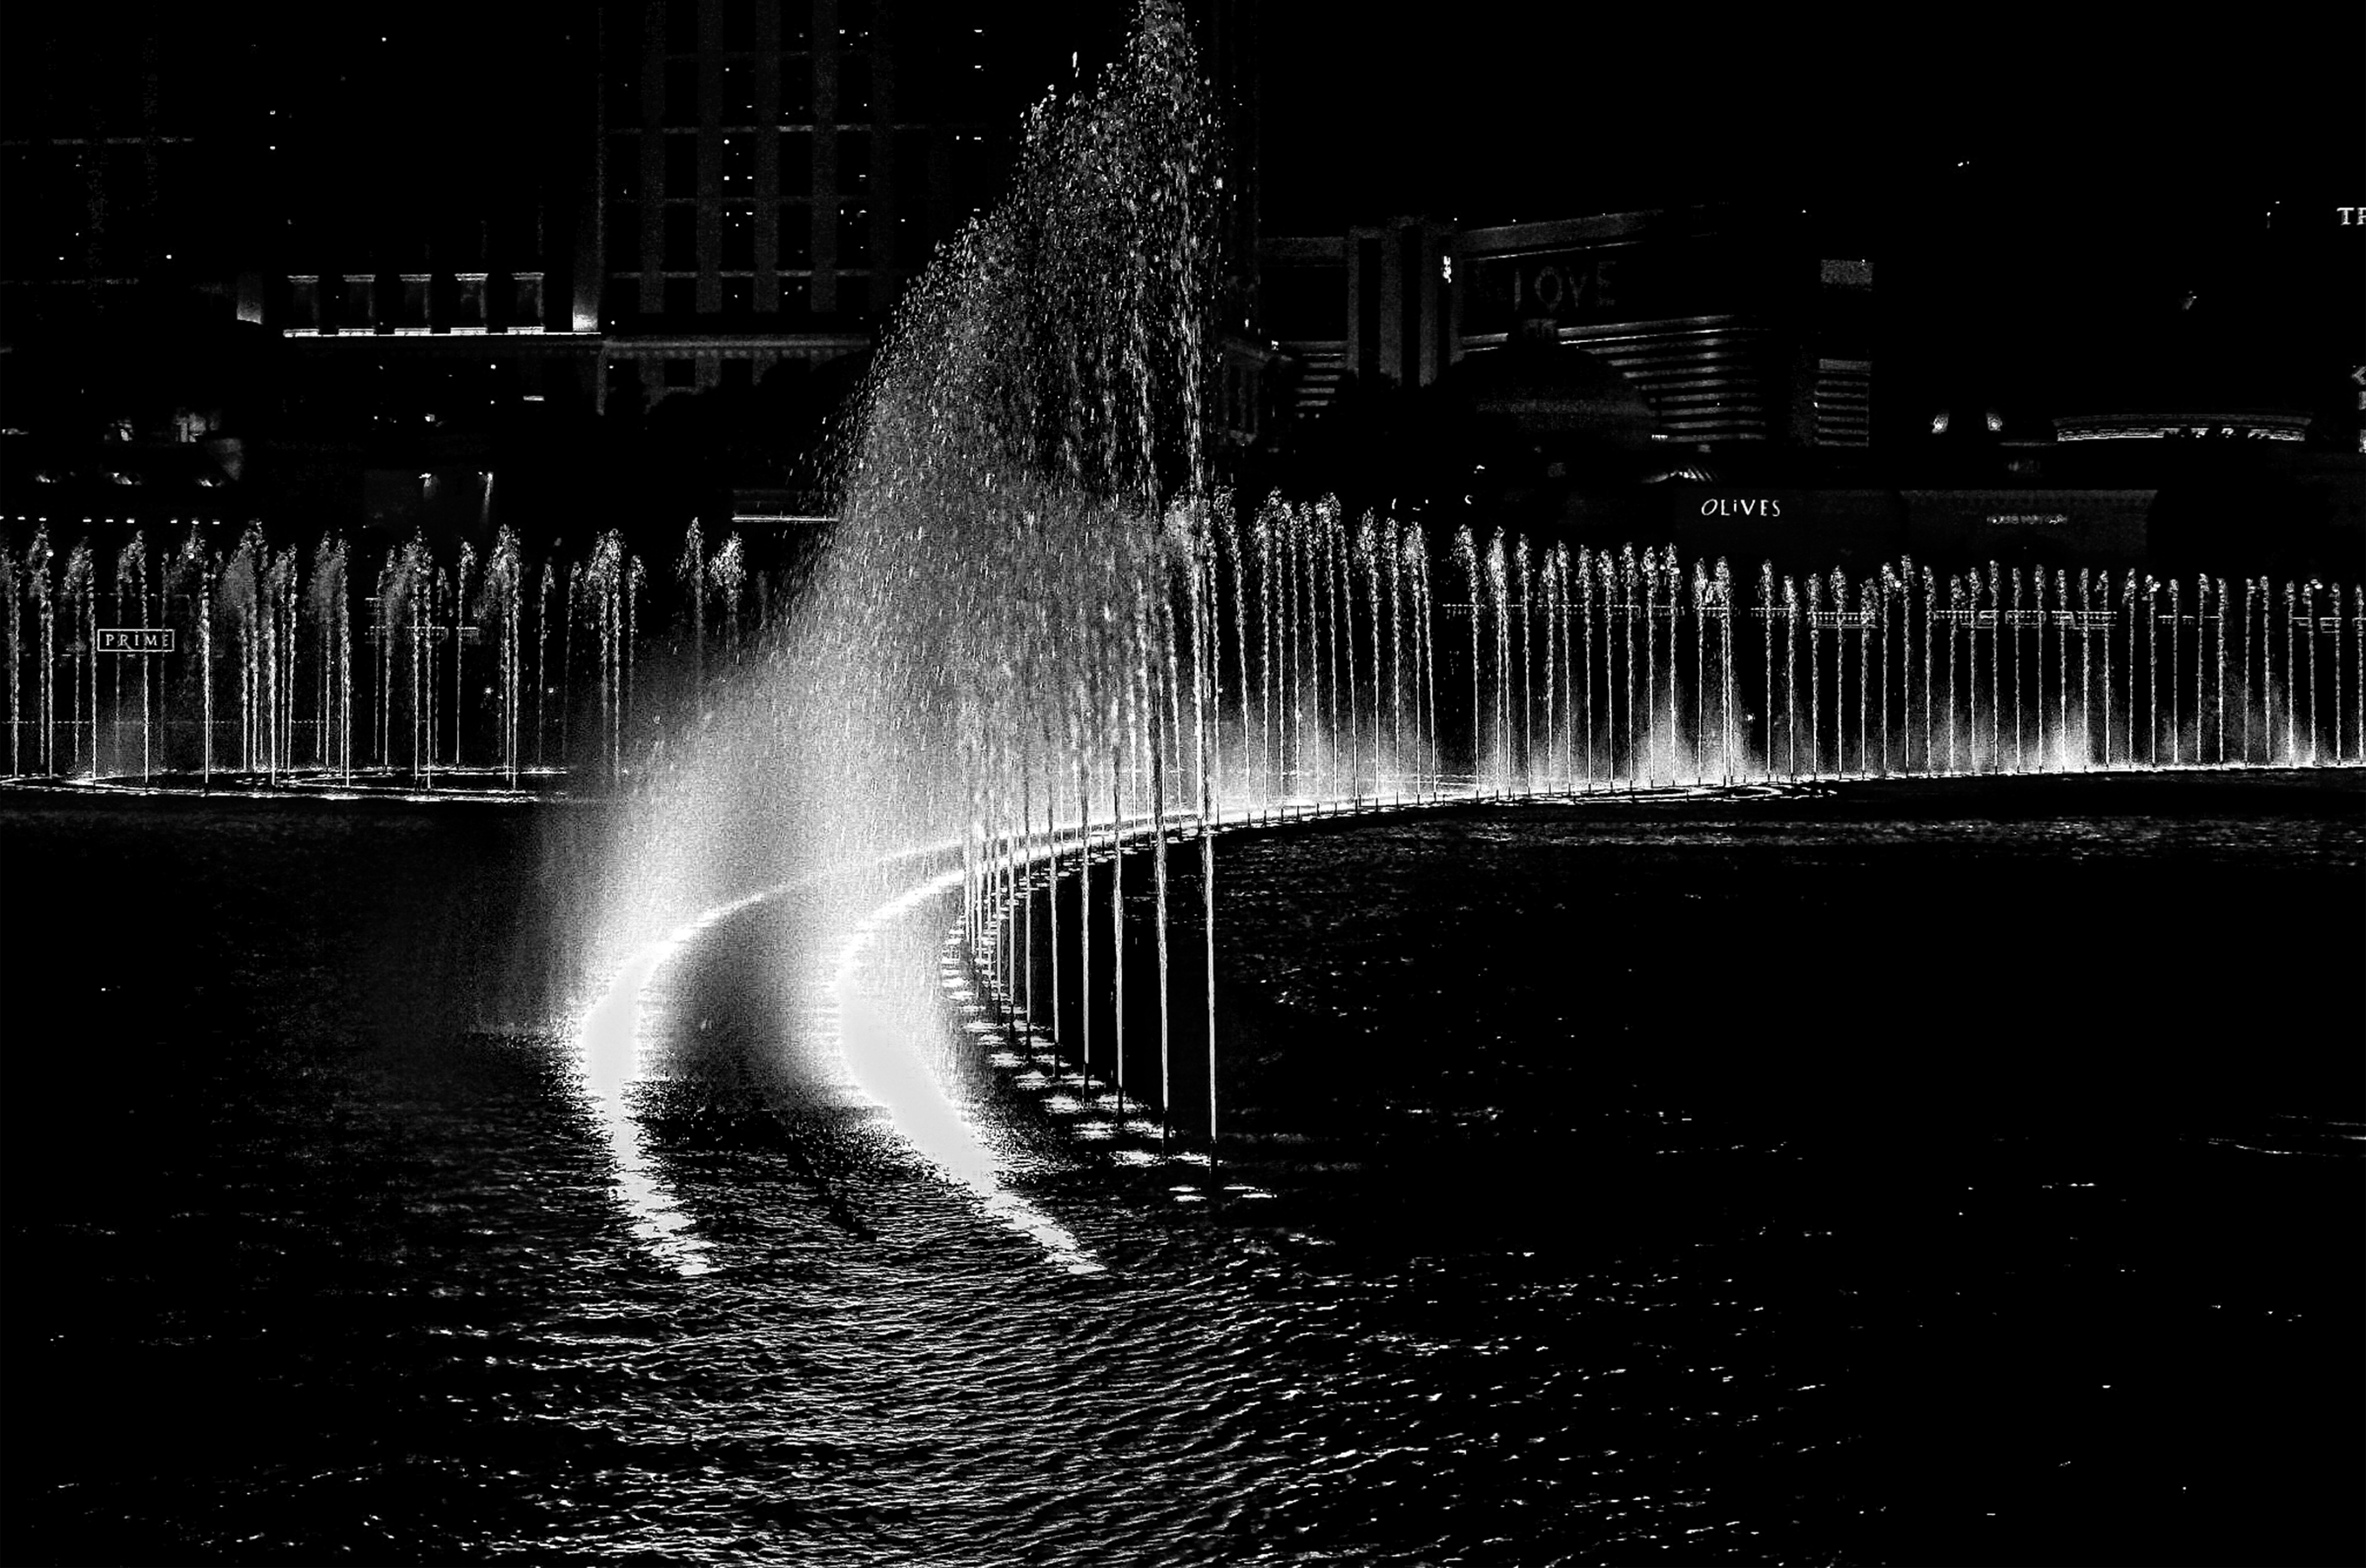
(2131, 116)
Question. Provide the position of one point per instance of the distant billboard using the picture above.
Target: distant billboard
(1649, 280)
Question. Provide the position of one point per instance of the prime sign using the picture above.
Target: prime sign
(135, 639)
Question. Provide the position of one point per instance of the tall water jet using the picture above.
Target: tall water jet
(998, 566)
(1466, 549)
(1790, 676)
(79, 587)
(16, 617)
(131, 576)
(194, 567)
(1499, 603)
(1815, 675)
(1929, 599)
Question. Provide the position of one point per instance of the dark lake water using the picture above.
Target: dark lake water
(1936, 1173)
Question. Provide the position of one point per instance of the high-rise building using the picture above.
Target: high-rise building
(774, 174)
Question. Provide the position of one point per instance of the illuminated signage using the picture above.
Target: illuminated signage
(1741, 506)
(135, 639)
(2028, 520)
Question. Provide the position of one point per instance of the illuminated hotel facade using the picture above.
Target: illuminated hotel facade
(1732, 376)
(1726, 325)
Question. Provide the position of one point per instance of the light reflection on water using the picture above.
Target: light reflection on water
(608, 1041)
(1702, 1329)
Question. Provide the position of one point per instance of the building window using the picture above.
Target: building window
(304, 302)
(738, 165)
(681, 165)
(414, 300)
(854, 163)
(738, 298)
(854, 23)
(357, 308)
(680, 297)
(796, 90)
(624, 105)
(796, 303)
(681, 27)
(912, 239)
(912, 165)
(624, 385)
(625, 167)
(796, 163)
(525, 299)
(854, 88)
(853, 234)
(739, 237)
(796, 235)
(470, 303)
(978, 173)
(681, 91)
(681, 237)
(681, 373)
(624, 238)
(738, 106)
(738, 24)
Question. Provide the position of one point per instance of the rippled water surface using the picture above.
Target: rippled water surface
(1934, 1175)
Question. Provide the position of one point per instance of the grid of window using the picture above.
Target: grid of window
(859, 198)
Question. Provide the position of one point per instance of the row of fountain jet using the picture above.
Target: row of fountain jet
(1304, 663)
(1329, 646)
(280, 660)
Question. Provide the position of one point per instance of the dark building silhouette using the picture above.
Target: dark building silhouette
(377, 260)
(406, 272)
